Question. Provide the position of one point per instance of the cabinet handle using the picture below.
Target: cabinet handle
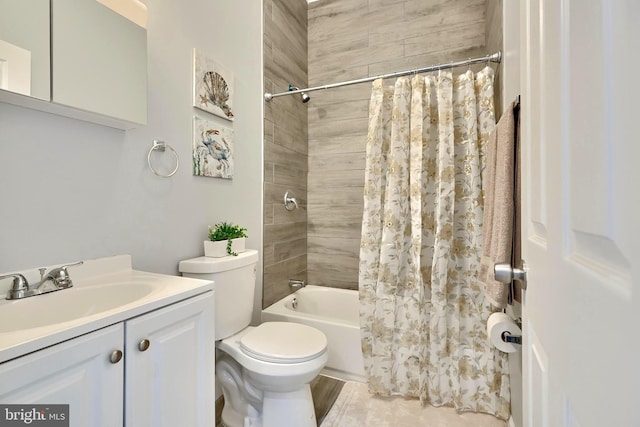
(116, 356)
(144, 345)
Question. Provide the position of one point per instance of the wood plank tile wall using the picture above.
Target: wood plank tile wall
(494, 43)
(285, 147)
(349, 39)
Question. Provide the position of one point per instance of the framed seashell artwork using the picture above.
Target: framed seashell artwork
(212, 149)
(212, 86)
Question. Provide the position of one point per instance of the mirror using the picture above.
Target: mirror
(87, 58)
(24, 47)
(99, 59)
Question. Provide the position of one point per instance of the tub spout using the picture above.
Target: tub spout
(296, 284)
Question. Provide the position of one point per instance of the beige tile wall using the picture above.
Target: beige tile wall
(285, 147)
(493, 31)
(349, 39)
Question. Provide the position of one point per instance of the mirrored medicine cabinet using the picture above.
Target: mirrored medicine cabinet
(84, 59)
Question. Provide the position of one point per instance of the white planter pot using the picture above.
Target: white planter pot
(219, 249)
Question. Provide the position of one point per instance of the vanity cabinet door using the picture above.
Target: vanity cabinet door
(99, 60)
(77, 372)
(170, 366)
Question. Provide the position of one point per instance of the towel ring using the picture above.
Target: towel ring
(162, 146)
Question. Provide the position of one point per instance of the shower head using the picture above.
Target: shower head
(305, 98)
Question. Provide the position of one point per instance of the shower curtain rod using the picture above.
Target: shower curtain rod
(496, 57)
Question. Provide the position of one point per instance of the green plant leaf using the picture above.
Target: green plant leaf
(229, 251)
(226, 231)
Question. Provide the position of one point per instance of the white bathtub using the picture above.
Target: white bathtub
(334, 312)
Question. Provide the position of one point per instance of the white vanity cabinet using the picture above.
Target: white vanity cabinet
(169, 365)
(77, 372)
(167, 380)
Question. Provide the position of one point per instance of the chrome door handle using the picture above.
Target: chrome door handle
(504, 273)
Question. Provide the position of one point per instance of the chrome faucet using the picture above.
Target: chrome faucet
(19, 287)
(58, 276)
(296, 284)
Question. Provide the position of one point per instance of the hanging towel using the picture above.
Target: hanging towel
(498, 219)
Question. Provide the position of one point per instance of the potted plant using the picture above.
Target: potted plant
(225, 239)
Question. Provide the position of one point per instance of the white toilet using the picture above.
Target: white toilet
(264, 371)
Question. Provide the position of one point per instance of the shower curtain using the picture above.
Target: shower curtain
(423, 314)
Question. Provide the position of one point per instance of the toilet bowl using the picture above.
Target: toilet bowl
(264, 371)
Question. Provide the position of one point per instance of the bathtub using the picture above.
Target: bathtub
(334, 312)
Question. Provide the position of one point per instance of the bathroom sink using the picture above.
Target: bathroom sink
(69, 304)
(105, 291)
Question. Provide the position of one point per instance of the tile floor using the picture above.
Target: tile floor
(354, 407)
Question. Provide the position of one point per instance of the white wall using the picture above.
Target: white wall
(72, 190)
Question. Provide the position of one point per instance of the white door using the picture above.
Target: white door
(170, 366)
(78, 373)
(581, 240)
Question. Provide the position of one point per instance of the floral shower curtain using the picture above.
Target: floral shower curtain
(423, 313)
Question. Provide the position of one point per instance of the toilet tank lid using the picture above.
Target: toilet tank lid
(207, 265)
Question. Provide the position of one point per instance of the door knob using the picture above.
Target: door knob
(504, 273)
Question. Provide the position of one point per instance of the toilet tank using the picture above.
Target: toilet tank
(234, 285)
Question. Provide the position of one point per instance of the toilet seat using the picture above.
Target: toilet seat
(232, 347)
(283, 342)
